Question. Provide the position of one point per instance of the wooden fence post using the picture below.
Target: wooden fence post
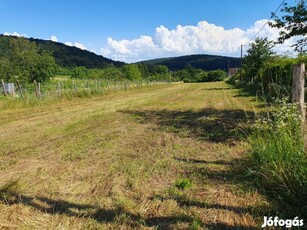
(13, 89)
(3, 88)
(39, 89)
(99, 85)
(109, 85)
(36, 89)
(59, 88)
(298, 91)
(75, 86)
(19, 88)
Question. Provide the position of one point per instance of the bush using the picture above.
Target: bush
(278, 160)
(275, 78)
(215, 75)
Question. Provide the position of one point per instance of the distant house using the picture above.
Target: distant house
(232, 71)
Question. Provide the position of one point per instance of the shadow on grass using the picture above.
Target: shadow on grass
(207, 124)
(251, 91)
(84, 211)
(183, 201)
(218, 88)
(102, 215)
(238, 172)
(244, 90)
(234, 171)
(189, 160)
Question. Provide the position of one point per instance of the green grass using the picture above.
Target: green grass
(279, 161)
(155, 157)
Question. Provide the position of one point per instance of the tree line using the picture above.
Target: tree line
(24, 60)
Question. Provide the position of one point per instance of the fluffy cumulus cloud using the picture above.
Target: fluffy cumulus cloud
(202, 38)
(54, 38)
(130, 49)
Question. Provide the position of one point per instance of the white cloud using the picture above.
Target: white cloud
(53, 38)
(142, 47)
(79, 45)
(76, 44)
(272, 34)
(14, 34)
(68, 43)
(202, 38)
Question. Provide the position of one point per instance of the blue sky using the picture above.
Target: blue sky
(132, 30)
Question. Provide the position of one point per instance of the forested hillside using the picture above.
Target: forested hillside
(65, 56)
(198, 61)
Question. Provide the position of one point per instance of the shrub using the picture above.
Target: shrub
(215, 75)
(278, 160)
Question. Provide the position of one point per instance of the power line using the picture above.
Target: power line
(266, 22)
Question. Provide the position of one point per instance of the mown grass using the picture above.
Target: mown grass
(155, 157)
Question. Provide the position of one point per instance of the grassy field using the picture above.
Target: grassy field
(164, 156)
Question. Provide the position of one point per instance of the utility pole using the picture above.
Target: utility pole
(241, 63)
(228, 69)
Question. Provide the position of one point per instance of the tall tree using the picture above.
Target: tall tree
(259, 52)
(24, 61)
(293, 23)
(132, 72)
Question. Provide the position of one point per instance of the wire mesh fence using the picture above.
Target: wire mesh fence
(70, 88)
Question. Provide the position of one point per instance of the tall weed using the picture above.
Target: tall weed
(278, 160)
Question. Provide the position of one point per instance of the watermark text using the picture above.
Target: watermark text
(276, 222)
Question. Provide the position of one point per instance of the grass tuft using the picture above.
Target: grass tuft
(183, 183)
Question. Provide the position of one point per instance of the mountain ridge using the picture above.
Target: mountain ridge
(205, 62)
(71, 56)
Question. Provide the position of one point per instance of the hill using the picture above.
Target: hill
(199, 61)
(66, 56)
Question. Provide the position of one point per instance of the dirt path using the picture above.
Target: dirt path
(159, 157)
